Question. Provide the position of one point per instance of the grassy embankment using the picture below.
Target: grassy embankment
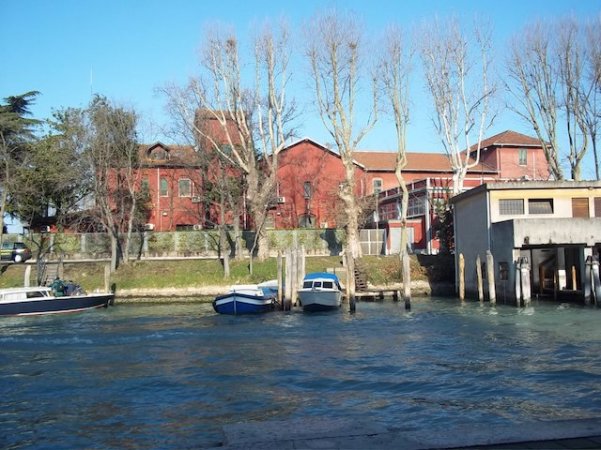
(194, 273)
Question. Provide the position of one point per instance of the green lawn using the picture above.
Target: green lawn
(196, 273)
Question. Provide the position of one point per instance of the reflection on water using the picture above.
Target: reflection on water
(170, 376)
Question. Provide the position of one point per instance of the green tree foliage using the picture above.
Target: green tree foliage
(17, 133)
(55, 179)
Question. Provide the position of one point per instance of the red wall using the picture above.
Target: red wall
(536, 168)
(172, 210)
(307, 161)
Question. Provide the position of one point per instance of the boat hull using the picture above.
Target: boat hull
(55, 305)
(235, 303)
(313, 300)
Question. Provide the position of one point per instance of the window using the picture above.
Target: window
(417, 206)
(185, 187)
(377, 185)
(510, 207)
(522, 157)
(159, 154)
(597, 206)
(540, 206)
(164, 187)
(307, 189)
(580, 207)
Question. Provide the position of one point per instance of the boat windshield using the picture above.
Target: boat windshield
(328, 284)
(35, 294)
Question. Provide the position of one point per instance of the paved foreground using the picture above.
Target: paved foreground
(323, 433)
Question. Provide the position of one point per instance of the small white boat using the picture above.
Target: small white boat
(321, 291)
(248, 299)
(26, 301)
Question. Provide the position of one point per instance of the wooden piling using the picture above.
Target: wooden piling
(574, 280)
(280, 280)
(288, 280)
(479, 276)
(490, 277)
(461, 277)
(406, 280)
(293, 277)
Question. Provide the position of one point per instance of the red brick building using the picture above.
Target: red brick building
(310, 174)
(172, 178)
(507, 156)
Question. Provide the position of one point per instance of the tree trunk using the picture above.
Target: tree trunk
(224, 248)
(114, 252)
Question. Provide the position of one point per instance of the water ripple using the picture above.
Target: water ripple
(169, 376)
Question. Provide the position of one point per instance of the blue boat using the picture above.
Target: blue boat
(248, 299)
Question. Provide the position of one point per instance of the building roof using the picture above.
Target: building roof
(416, 162)
(178, 155)
(508, 138)
(323, 147)
(527, 185)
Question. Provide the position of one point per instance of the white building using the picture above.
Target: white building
(553, 226)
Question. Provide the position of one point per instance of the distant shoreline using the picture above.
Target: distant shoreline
(205, 294)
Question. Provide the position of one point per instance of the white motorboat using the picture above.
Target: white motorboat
(321, 291)
(23, 301)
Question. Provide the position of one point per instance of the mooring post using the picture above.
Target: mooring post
(588, 280)
(406, 280)
(461, 277)
(280, 280)
(294, 277)
(350, 278)
(596, 282)
(525, 281)
(288, 280)
(518, 282)
(490, 277)
(479, 276)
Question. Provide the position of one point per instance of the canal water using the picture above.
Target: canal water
(171, 375)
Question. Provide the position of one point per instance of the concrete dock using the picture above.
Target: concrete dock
(323, 433)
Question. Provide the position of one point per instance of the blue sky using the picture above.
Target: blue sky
(126, 49)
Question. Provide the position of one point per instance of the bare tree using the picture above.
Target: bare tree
(591, 98)
(569, 54)
(555, 72)
(535, 82)
(334, 52)
(395, 68)
(113, 155)
(457, 67)
(253, 116)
